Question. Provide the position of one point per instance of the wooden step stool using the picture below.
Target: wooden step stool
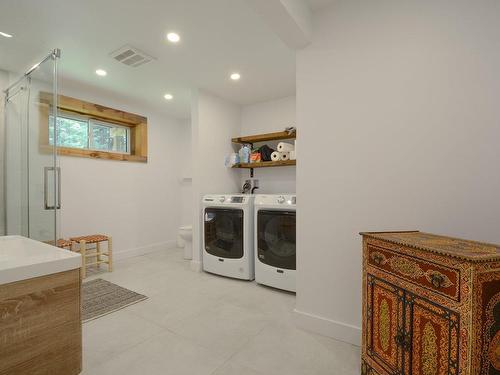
(96, 239)
(64, 244)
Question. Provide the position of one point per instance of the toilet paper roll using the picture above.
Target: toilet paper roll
(284, 156)
(292, 155)
(285, 147)
(275, 156)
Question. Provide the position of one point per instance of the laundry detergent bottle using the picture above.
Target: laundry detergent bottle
(245, 152)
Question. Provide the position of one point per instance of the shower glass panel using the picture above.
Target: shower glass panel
(31, 170)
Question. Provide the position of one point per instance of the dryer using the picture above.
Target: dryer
(275, 231)
(228, 235)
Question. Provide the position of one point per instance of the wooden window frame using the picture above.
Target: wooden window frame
(138, 128)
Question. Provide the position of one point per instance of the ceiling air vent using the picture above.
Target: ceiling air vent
(131, 56)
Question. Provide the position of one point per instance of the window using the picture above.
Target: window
(109, 137)
(90, 134)
(89, 130)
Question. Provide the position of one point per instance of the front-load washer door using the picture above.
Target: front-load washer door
(224, 232)
(276, 238)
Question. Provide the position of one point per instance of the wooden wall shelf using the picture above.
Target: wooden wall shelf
(263, 164)
(265, 137)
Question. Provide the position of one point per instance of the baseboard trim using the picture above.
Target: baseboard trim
(138, 251)
(327, 327)
(196, 266)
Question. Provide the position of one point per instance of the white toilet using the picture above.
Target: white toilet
(186, 233)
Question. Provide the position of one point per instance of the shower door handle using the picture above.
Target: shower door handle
(57, 176)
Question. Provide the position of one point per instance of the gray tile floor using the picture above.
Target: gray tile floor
(198, 323)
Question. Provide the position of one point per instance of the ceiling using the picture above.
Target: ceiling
(217, 38)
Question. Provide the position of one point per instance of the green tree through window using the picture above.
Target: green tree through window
(70, 132)
(90, 134)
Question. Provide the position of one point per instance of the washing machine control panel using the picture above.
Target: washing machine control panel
(226, 199)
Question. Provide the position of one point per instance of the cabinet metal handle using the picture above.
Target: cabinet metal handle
(399, 338)
(377, 258)
(437, 280)
(402, 340)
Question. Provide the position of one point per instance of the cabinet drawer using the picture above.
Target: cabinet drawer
(440, 279)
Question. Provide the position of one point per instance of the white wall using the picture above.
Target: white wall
(186, 185)
(137, 203)
(214, 122)
(268, 117)
(404, 97)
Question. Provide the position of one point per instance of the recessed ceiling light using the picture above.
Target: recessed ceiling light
(101, 72)
(5, 34)
(235, 76)
(173, 37)
(168, 96)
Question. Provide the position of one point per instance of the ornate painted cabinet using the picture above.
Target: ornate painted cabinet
(431, 305)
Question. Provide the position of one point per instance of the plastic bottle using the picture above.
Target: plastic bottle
(245, 152)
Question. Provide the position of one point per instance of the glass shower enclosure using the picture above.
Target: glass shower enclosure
(31, 172)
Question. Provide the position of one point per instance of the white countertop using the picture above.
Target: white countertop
(22, 258)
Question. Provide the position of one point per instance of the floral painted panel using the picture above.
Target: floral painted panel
(385, 321)
(488, 324)
(434, 329)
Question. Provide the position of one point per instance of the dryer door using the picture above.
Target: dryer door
(276, 238)
(224, 232)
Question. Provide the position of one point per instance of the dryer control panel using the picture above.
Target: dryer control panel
(276, 200)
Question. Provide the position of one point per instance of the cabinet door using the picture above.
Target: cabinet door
(384, 323)
(486, 355)
(433, 332)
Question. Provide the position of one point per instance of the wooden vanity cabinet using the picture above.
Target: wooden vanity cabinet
(40, 325)
(431, 305)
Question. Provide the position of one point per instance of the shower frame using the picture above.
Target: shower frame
(11, 92)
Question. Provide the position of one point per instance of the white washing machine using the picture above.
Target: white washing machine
(275, 256)
(228, 235)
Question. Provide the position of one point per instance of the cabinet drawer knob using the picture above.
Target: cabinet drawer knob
(437, 280)
(378, 258)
